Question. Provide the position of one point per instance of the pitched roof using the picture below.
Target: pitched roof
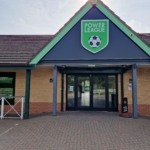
(20, 49)
(140, 35)
(145, 37)
(108, 13)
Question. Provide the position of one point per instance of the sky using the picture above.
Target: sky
(48, 16)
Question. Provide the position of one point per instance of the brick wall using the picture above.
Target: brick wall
(143, 90)
(19, 88)
(41, 94)
(41, 90)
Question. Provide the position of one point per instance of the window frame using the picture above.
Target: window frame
(12, 75)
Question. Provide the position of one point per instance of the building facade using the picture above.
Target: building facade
(91, 64)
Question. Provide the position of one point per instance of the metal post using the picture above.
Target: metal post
(134, 91)
(62, 92)
(54, 109)
(2, 108)
(22, 104)
(122, 89)
(27, 94)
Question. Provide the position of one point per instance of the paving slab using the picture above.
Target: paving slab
(75, 131)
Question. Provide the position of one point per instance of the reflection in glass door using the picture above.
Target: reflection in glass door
(99, 92)
(84, 91)
(112, 91)
(70, 91)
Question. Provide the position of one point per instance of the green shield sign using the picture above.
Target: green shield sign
(94, 34)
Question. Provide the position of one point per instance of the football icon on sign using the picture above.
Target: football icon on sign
(94, 41)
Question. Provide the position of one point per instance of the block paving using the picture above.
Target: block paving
(75, 131)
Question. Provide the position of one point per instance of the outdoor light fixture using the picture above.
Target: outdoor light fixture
(91, 65)
(93, 1)
(51, 80)
(63, 66)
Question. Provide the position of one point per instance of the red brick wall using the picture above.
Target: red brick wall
(42, 107)
(35, 107)
(143, 109)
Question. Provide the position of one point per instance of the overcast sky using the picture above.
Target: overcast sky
(48, 16)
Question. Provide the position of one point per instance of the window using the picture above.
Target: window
(7, 85)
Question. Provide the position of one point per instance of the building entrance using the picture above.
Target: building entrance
(92, 92)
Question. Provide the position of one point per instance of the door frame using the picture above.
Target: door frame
(90, 108)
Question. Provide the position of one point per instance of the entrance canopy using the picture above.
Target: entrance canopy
(93, 69)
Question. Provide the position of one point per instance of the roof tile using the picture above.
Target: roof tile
(20, 49)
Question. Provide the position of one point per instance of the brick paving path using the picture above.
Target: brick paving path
(76, 131)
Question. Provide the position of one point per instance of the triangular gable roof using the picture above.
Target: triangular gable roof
(107, 12)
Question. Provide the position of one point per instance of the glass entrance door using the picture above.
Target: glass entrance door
(99, 92)
(112, 92)
(83, 91)
(70, 92)
(92, 92)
